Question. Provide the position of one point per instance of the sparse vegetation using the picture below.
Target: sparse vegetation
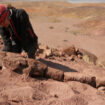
(74, 32)
(51, 27)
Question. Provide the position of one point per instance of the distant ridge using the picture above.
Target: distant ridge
(29, 0)
(72, 1)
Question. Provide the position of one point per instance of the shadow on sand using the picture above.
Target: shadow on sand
(57, 66)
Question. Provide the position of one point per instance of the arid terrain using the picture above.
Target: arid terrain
(61, 24)
(70, 63)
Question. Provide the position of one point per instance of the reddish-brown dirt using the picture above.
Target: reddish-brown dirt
(58, 79)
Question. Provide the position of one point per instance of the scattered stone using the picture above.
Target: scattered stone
(47, 53)
(101, 89)
(71, 58)
(56, 53)
(69, 51)
(79, 56)
(88, 57)
(43, 51)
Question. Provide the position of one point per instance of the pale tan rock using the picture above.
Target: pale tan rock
(57, 53)
(43, 51)
(100, 82)
(43, 47)
(48, 53)
(101, 89)
(101, 61)
(88, 57)
(79, 56)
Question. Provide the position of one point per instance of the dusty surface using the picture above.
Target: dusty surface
(18, 88)
(68, 79)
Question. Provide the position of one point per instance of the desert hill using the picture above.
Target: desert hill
(69, 68)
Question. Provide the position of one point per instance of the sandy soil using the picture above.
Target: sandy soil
(61, 24)
(62, 35)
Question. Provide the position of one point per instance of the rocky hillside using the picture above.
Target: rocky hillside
(55, 77)
(67, 76)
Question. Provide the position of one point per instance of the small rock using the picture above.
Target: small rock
(101, 89)
(88, 57)
(69, 51)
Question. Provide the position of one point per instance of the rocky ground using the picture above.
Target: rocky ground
(62, 73)
(54, 78)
